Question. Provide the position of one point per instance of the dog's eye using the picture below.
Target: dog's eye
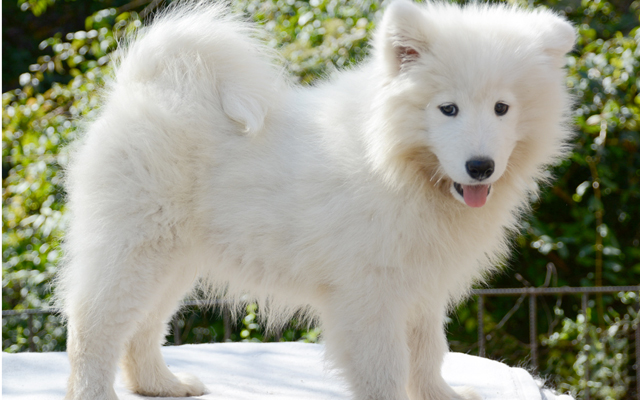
(450, 110)
(501, 108)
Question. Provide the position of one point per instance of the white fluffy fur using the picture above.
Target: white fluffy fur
(206, 164)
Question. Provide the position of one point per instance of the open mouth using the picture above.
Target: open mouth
(473, 195)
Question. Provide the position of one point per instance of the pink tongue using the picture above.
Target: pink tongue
(476, 195)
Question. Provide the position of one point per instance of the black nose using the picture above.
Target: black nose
(480, 168)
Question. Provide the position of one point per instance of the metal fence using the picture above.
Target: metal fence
(531, 292)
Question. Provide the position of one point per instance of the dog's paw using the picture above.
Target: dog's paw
(466, 393)
(108, 393)
(183, 385)
(192, 385)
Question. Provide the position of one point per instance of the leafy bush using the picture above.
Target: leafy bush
(601, 366)
(38, 121)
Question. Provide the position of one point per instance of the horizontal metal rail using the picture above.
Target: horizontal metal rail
(52, 310)
(30, 311)
(554, 290)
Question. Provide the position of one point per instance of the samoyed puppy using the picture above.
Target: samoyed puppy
(373, 200)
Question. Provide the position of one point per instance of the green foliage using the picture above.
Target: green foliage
(37, 7)
(585, 228)
(250, 324)
(253, 332)
(38, 121)
(27, 23)
(600, 367)
(315, 37)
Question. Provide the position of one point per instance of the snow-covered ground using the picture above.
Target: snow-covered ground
(256, 371)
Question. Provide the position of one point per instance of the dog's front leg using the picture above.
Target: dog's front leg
(365, 336)
(428, 346)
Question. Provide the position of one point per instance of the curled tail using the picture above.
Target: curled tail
(197, 53)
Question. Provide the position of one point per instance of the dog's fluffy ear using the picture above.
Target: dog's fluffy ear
(558, 37)
(402, 37)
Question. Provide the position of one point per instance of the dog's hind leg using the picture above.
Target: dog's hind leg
(108, 289)
(145, 371)
(105, 296)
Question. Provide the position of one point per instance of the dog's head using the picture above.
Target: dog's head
(472, 94)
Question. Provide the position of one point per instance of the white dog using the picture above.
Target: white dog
(374, 199)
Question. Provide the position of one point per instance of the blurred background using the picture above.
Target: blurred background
(584, 232)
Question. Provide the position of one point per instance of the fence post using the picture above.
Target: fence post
(637, 365)
(585, 307)
(32, 345)
(533, 330)
(226, 321)
(481, 339)
(176, 332)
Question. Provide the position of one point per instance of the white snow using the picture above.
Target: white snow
(256, 371)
